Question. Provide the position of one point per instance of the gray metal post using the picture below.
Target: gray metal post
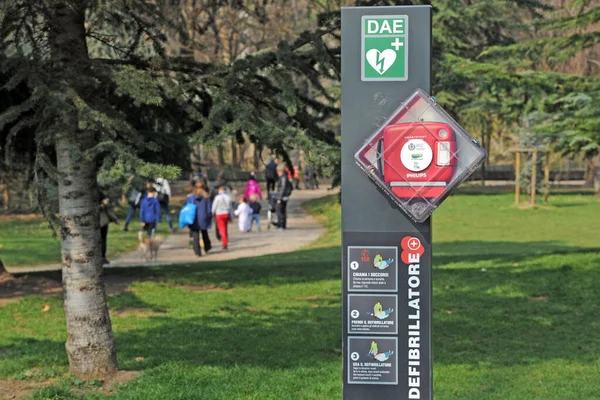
(388, 358)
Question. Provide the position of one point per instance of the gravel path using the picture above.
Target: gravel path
(302, 230)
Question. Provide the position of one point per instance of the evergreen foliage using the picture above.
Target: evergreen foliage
(520, 81)
(141, 101)
(493, 64)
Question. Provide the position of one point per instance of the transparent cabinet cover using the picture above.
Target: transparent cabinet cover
(419, 155)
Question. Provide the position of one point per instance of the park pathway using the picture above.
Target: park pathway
(302, 230)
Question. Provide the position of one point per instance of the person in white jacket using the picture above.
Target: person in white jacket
(221, 209)
(244, 213)
(164, 198)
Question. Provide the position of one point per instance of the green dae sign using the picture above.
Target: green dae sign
(384, 48)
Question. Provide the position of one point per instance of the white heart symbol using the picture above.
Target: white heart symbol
(381, 61)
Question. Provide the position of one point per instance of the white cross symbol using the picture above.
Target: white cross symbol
(397, 44)
(414, 244)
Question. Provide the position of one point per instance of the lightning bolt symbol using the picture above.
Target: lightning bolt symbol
(379, 63)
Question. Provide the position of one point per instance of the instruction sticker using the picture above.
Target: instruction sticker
(372, 360)
(373, 314)
(372, 269)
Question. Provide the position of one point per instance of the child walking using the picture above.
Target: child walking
(252, 187)
(150, 212)
(255, 207)
(221, 208)
(244, 212)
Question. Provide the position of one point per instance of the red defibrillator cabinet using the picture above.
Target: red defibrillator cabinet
(418, 158)
(419, 155)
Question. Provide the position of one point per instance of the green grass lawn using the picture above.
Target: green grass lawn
(516, 315)
(28, 241)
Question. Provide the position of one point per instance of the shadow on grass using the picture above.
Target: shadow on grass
(256, 338)
(235, 334)
(272, 270)
(509, 317)
(505, 316)
(573, 204)
(323, 263)
(554, 318)
(473, 251)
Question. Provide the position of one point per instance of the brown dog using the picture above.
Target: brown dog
(149, 246)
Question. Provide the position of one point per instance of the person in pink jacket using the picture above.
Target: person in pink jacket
(252, 187)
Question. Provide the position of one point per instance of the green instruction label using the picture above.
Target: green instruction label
(384, 48)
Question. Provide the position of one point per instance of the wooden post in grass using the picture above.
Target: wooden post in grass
(547, 177)
(534, 177)
(518, 177)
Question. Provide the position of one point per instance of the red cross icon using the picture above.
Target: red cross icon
(411, 245)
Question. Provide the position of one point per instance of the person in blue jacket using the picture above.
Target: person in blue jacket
(150, 212)
(203, 219)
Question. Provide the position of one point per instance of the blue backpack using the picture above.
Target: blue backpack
(187, 215)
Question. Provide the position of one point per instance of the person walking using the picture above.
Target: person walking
(255, 206)
(106, 217)
(199, 177)
(244, 212)
(189, 195)
(135, 195)
(163, 190)
(271, 174)
(218, 183)
(252, 187)
(214, 191)
(297, 177)
(314, 176)
(221, 209)
(284, 190)
(308, 171)
(150, 212)
(203, 219)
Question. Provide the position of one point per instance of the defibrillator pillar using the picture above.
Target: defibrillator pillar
(386, 56)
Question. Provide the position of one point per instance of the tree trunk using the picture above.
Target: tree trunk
(589, 172)
(234, 154)
(90, 344)
(221, 156)
(256, 157)
(242, 155)
(3, 270)
(597, 181)
(483, 164)
(6, 197)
